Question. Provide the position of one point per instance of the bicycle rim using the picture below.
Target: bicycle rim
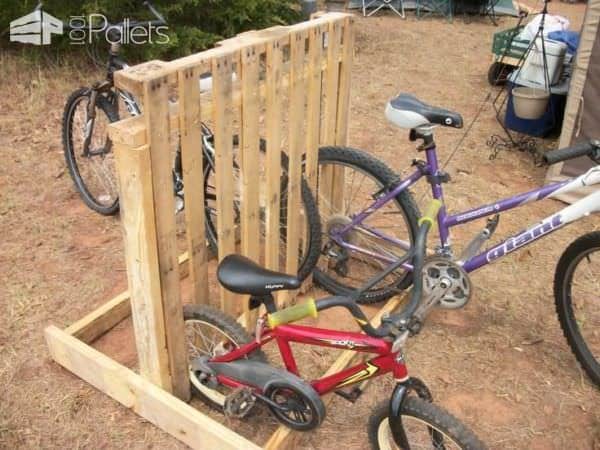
(95, 173)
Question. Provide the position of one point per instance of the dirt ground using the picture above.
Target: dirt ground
(501, 364)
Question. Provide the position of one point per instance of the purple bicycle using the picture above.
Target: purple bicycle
(373, 222)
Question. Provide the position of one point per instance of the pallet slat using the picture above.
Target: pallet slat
(156, 104)
(193, 178)
(223, 131)
(274, 105)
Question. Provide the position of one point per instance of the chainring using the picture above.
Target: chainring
(459, 292)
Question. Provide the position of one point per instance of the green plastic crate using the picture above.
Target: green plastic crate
(503, 38)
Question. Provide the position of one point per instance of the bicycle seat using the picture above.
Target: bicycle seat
(407, 111)
(243, 276)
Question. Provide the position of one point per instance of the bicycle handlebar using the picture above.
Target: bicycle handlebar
(588, 148)
(400, 320)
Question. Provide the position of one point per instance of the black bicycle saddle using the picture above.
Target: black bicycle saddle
(243, 276)
(407, 111)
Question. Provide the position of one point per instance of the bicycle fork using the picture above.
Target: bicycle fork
(395, 411)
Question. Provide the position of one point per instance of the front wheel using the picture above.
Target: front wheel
(577, 299)
(425, 425)
(91, 161)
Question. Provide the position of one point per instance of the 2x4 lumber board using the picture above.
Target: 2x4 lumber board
(141, 257)
(156, 113)
(223, 130)
(296, 148)
(274, 112)
(250, 158)
(285, 437)
(147, 400)
(102, 319)
(193, 177)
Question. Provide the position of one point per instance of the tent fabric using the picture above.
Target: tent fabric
(582, 112)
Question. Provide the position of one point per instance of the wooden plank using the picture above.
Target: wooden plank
(193, 178)
(156, 113)
(250, 157)
(149, 401)
(102, 319)
(332, 39)
(345, 75)
(296, 147)
(285, 437)
(274, 112)
(222, 119)
(313, 116)
(139, 234)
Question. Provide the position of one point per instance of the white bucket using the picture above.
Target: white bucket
(530, 103)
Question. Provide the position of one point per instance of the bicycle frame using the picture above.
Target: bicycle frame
(386, 360)
(430, 169)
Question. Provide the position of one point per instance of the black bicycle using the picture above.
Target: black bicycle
(90, 159)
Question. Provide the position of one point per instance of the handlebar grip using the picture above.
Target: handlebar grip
(563, 154)
(293, 313)
(431, 212)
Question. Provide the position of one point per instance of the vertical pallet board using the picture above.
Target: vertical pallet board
(193, 177)
(223, 130)
(313, 116)
(139, 233)
(296, 148)
(345, 75)
(274, 106)
(330, 176)
(250, 158)
(156, 106)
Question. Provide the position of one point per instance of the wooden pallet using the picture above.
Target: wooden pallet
(290, 83)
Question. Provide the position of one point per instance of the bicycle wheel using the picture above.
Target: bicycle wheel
(380, 239)
(93, 169)
(425, 425)
(577, 299)
(209, 332)
(310, 237)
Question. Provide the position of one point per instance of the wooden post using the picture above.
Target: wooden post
(139, 231)
(193, 178)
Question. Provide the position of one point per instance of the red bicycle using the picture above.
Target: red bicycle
(230, 372)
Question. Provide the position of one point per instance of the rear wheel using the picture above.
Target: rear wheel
(577, 299)
(93, 168)
(351, 257)
(209, 332)
(310, 235)
(425, 425)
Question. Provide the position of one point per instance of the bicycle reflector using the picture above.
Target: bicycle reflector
(293, 313)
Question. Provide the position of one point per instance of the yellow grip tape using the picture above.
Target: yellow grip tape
(293, 313)
(431, 212)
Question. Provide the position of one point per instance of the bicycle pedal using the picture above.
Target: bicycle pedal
(352, 395)
(239, 402)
